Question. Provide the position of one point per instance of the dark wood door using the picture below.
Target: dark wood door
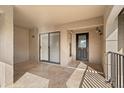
(82, 46)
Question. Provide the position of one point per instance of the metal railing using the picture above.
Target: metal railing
(115, 69)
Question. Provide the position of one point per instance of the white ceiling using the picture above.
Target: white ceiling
(29, 16)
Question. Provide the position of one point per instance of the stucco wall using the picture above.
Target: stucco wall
(111, 32)
(33, 45)
(64, 43)
(6, 45)
(25, 44)
(121, 33)
(21, 44)
(95, 45)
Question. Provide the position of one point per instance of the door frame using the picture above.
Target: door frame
(87, 33)
(49, 47)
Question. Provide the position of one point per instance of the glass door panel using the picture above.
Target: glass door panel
(54, 47)
(44, 47)
(82, 41)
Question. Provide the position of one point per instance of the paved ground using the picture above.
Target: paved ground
(75, 74)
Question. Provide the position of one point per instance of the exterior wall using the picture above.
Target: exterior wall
(121, 33)
(33, 45)
(111, 32)
(26, 44)
(81, 24)
(63, 43)
(95, 46)
(112, 37)
(112, 40)
(65, 28)
(21, 44)
(6, 45)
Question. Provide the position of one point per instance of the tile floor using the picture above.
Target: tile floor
(47, 75)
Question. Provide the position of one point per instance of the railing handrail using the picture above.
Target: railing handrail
(110, 52)
(117, 69)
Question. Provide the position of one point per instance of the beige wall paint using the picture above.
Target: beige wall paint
(111, 31)
(121, 34)
(81, 24)
(112, 41)
(21, 44)
(6, 46)
(33, 44)
(112, 37)
(95, 45)
(64, 52)
(26, 44)
(64, 29)
(64, 37)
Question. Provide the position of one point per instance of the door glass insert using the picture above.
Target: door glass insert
(82, 41)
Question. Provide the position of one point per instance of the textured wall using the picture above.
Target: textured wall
(64, 37)
(21, 44)
(95, 45)
(111, 31)
(33, 45)
(121, 33)
(6, 46)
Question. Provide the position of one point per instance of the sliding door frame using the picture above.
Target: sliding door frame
(48, 47)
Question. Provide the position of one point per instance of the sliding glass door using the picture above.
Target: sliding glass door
(44, 47)
(50, 47)
(54, 47)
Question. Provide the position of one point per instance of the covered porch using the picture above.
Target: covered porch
(75, 75)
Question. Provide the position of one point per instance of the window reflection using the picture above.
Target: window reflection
(82, 41)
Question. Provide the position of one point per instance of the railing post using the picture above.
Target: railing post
(117, 69)
(107, 69)
(113, 70)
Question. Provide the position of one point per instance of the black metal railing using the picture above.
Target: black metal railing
(115, 69)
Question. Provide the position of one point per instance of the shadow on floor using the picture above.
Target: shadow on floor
(57, 76)
(21, 68)
(93, 77)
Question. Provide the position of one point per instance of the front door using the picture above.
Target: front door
(82, 46)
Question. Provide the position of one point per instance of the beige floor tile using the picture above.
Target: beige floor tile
(75, 74)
